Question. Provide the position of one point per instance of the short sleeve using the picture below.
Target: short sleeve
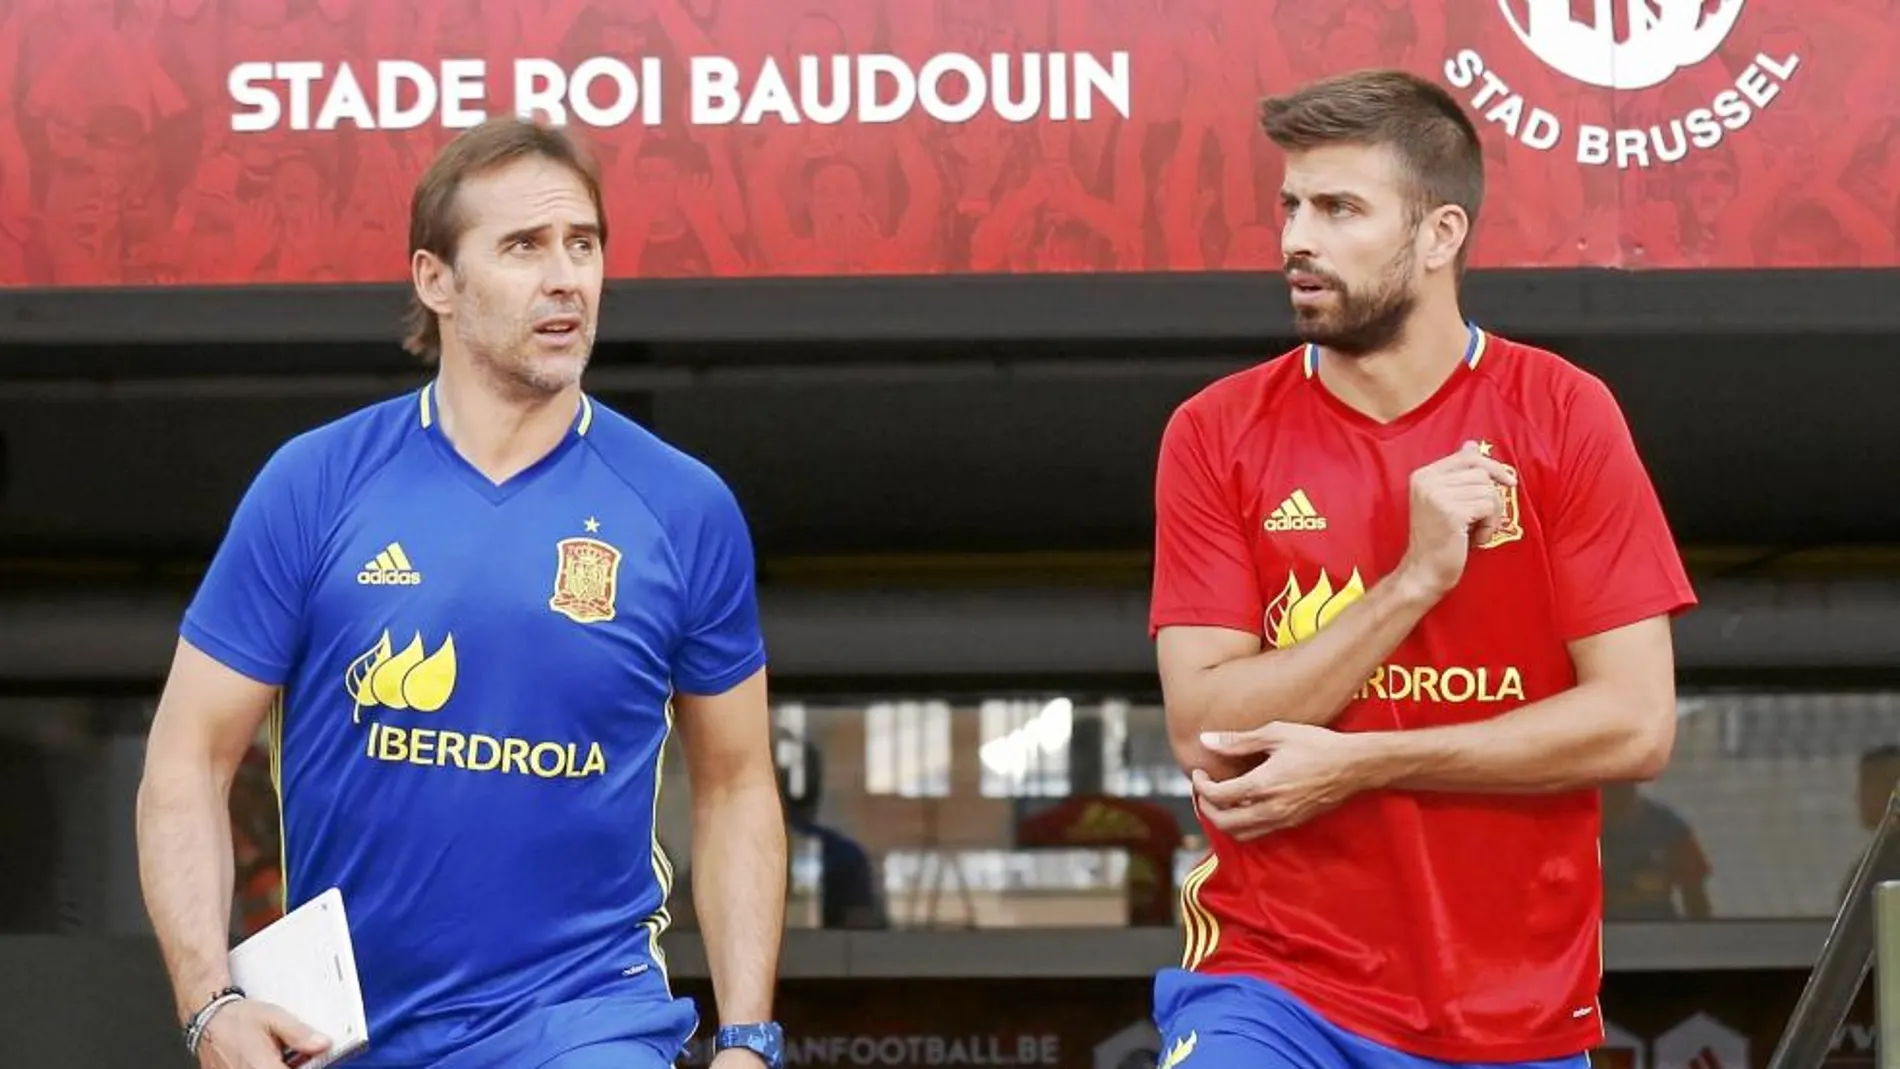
(722, 644)
(248, 611)
(1203, 567)
(1613, 558)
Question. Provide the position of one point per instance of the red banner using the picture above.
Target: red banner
(275, 141)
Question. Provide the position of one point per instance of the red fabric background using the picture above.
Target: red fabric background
(119, 166)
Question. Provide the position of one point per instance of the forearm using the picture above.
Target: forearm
(1311, 681)
(186, 872)
(1583, 737)
(739, 867)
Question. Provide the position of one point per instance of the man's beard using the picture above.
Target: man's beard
(504, 350)
(1361, 321)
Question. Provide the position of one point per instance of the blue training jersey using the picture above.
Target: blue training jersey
(475, 694)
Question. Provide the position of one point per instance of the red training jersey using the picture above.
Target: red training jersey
(1456, 927)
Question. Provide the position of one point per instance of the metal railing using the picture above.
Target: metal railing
(1866, 927)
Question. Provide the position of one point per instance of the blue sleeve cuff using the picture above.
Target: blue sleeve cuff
(230, 656)
(712, 686)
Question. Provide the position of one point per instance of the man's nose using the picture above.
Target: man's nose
(560, 274)
(1296, 237)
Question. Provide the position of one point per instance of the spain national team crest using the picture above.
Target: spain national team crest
(1509, 530)
(586, 580)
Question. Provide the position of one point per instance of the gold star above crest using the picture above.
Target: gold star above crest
(1484, 448)
(592, 525)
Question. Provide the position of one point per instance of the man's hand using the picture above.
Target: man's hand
(254, 1035)
(1456, 502)
(1307, 771)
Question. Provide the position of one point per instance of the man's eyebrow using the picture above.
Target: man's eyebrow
(587, 229)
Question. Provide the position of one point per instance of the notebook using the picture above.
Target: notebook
(305, 963)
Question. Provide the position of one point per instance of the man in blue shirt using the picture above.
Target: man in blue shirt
(473, 615)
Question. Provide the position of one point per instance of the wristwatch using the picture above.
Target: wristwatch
(766, 1040)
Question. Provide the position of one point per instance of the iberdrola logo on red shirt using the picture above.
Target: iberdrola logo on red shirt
(1302, 610)
(1297, 615)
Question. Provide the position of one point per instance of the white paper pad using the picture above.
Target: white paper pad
(306, 964)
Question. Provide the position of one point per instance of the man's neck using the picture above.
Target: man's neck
(1390, 382)
(499, 432)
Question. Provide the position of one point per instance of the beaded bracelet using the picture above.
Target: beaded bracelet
(195, 1028)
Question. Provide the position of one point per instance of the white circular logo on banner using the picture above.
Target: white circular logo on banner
(1664, 37)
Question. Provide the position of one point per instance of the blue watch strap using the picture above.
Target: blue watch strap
(765, 1039)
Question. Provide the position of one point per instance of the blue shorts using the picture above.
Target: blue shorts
(598, 1033)
(1238, 1022)
(628, 1055)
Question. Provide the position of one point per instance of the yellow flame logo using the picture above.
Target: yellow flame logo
(1181, 1049)
(1296, 615)
(412, 679)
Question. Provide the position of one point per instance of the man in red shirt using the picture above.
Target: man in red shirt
(1411, 606)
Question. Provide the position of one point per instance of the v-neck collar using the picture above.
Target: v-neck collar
(427, 413)
(1477, 345)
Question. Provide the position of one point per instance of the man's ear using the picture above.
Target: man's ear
(1443, 236)
(434, 280)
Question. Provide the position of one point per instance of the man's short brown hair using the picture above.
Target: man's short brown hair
(1434, 138)
(436, 221)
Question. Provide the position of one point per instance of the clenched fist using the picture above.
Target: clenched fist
(1456, 503)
